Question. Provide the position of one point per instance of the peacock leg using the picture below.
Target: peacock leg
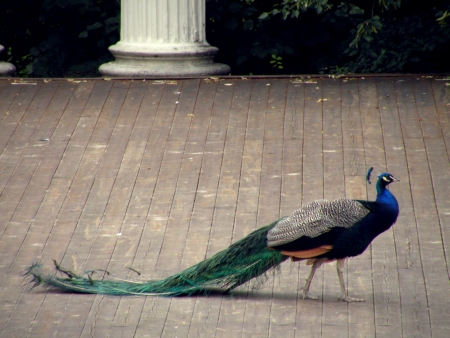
(305, 289)
(344, 297)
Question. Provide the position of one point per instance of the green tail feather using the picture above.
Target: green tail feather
(226, 270)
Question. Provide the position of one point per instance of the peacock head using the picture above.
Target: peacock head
(385, 178)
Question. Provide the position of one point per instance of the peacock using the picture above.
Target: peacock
(321, 231)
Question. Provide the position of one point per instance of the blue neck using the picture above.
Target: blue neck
(381, 186)
(389, 205)
(382, 192)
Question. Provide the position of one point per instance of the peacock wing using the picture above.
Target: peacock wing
(316, 218)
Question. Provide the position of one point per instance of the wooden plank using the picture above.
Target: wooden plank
(158, 180)
(200, 120)
(441, 94)
(206, 310)
(312, 146)
(181, 311)
(53, 149)
(81, 136)
(223, 104)
(285, 298)
(185, 100)
(411, 278)
(121, 235)
(333, 170)
(257, 320)
(11, 154)
(144, 188)
(352, 129)
(19, 185)
(39, 232)
(76, 251)
(16, 101)
(16, 177)
(295, 106)
(309, 312)
(369, 138)
(93, 157)
(233, 214)
(384, 263)
(248, 189)
(33, 197)
(432, 247)
(366, 141)
(257, 109)
(9, 93)
(216, 112)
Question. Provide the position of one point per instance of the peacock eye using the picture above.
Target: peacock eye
(386, 179)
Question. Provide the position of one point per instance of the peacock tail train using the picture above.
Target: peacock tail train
(242, 261)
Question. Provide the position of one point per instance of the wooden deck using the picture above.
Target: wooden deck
(158, 175)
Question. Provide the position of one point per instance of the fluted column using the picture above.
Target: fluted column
(6, 68)
(162, 38)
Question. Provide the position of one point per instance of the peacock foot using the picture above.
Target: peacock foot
(350, 299)
(308, 295)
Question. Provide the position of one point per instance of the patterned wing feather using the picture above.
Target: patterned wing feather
(316, 218)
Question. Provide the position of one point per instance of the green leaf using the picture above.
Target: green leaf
(241, 59)
(249, 11)
(248, 25)
(94, 26)
(263, 16)
(235, 7)
(259, 51)
(368, 37)
(356, 11)
(231, 24)
(288, 50)
(34, 51)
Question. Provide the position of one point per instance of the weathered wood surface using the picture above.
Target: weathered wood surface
(158, 175)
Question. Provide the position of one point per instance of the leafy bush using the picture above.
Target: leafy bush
(59, 38)
(320, 36)
(415, 43)
(68, 38)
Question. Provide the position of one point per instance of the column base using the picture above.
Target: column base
(142, 60)
(6, 68)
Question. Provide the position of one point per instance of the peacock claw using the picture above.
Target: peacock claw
(308, 295)
(350, 299)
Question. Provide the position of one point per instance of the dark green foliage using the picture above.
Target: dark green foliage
(68, 38)
(226, 270)
(59, 38)
(331, 36)
(411, 41)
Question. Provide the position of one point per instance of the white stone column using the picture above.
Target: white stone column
(6, 68)
(162, 38)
